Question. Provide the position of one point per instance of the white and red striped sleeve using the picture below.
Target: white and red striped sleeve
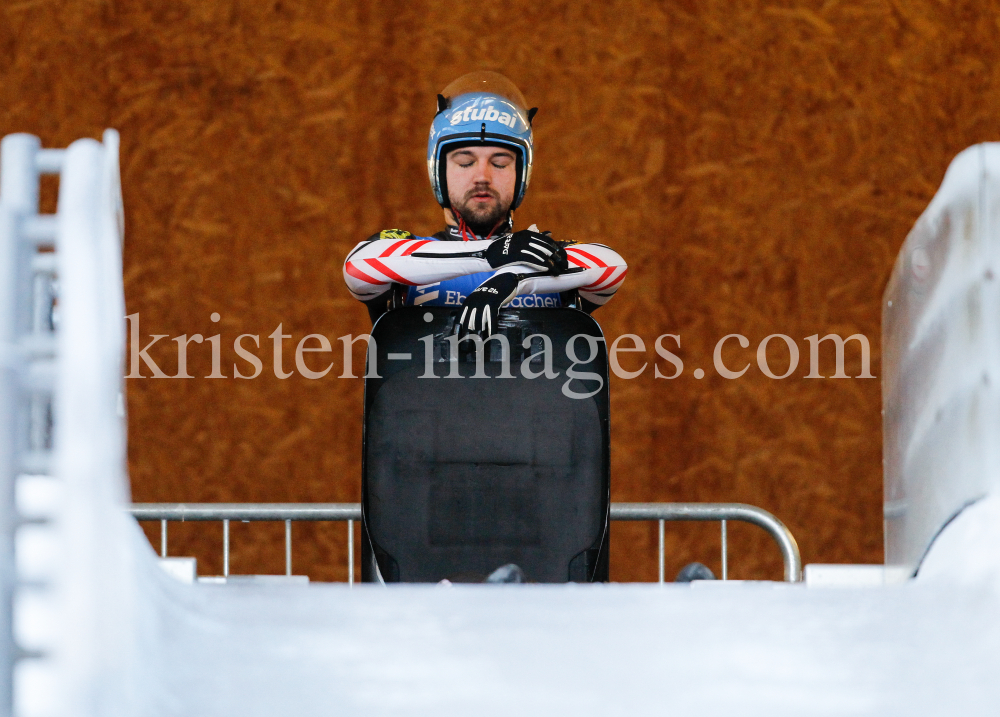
(596, 271)
(374, 265)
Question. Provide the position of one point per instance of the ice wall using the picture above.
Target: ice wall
(69, 568)
(941, 359)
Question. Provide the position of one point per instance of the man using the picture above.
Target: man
(479, 158)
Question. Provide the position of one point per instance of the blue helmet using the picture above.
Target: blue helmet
(480, 108)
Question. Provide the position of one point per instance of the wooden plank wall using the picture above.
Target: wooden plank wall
(758, 164)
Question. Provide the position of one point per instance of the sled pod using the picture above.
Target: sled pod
(475, 457)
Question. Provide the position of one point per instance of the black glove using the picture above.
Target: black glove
(527, 247)
(481, 308)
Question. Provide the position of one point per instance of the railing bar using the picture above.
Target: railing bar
(163, 538)
(352, 512)
(246, 511)
(350, 552)
(662, 565)
(288, 547)
(725, 557)
(225, 547)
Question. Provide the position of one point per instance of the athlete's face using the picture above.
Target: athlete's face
(481, 183)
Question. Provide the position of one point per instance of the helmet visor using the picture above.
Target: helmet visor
(488, 82)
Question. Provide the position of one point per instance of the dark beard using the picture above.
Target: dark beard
(483, 222)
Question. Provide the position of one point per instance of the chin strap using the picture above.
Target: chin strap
(463, 227)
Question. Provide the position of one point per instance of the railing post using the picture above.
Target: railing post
(350, 552)
(662, 560)
(288, 547)
(225, 547)
(725, 555)
(163, 538)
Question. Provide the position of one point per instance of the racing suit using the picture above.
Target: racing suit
(394, 268)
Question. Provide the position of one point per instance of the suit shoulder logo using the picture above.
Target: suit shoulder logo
(394, 234)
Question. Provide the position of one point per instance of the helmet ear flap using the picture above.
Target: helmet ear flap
(443, 181)
(519, 182)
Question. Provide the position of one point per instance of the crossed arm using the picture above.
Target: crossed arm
(374, 265)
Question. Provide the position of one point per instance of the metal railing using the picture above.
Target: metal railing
(722, 512)
(350, 512)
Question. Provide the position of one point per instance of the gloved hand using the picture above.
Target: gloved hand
(527, 247)
(482, 307)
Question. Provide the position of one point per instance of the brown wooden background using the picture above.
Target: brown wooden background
(758, 164)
